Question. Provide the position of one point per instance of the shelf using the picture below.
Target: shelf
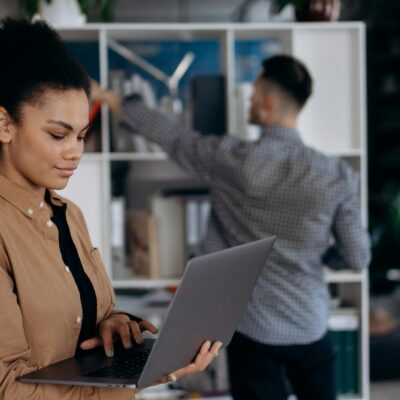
(345, 152)
(156, 156)
(343, 276)
(202, 26)
(144, 283)
(163, 156)
(132, 156)
(93, 157)
(330, 277)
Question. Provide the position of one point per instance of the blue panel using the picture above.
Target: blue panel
(249, 55)
(166, 55)
(87, 53)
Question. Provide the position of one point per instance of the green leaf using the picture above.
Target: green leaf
(30, 7)
(84, 6)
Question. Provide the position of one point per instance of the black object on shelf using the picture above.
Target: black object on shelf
(209, 104)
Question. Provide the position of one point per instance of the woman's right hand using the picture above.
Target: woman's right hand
(207, 353)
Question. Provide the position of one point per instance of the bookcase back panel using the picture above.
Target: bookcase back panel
(331, 119)
(85, 188)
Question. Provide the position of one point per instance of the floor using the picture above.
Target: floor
(385, 390)
(156, 312)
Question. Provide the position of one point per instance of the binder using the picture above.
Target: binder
(170, 216)
(344, 327)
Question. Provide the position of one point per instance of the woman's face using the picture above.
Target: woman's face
(46, 146)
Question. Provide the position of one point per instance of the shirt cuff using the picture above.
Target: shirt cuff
(131, 106)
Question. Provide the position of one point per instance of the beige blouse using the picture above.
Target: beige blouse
(40, 307)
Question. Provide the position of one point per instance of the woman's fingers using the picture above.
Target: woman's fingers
(205, 347)
(147, 326)
(91, 343)
(204, 357)
(206, 354)
(215, 348)
(136, 332)
(106, 334)
(125, 333)
(126, 329)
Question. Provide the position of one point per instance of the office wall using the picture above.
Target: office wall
(9, 8)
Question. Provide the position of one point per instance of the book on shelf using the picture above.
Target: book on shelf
(197, 206)
(121, 135)
(344, 326)
(143, 244)
(118, 230)
(170, 216)
(245, 130)
(197, 212)
(163, 239)
(123, 138)
(208, 95)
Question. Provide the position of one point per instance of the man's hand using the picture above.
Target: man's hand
(112, 99)
(126, 328)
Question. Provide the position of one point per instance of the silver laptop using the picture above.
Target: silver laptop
(209, 303)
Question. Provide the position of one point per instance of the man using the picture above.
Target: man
(275, 186)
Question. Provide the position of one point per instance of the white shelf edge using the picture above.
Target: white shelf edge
(343, 276)
(144, 283)
(215, 26)
(156, 156)
(93, 157)
(330, 277)
(343, 397)
(148, 156)
(345, 152)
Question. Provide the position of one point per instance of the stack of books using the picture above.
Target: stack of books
(344, 326)
(164, 238)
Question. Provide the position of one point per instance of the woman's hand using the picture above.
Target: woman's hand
(207, 353)
(126, 328)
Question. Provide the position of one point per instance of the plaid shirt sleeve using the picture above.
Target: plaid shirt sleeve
(352, 244)
(194, 152)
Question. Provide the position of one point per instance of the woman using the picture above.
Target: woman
(55, 296)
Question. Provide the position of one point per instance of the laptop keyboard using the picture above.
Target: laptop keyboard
(122, 369)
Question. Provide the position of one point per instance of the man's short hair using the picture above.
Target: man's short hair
(289, 74)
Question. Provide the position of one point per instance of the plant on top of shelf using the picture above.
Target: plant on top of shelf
(313, 10)
(33, 7)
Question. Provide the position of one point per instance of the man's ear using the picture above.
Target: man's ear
(7, 126)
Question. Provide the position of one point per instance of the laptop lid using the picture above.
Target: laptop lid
(209, 303)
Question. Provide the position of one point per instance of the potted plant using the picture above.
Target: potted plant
(65, 12)
(312, 10)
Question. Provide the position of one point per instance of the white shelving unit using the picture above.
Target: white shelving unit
(334, 121)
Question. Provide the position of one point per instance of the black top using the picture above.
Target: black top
(71, 259)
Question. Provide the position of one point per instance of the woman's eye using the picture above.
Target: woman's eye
(56, 136)
(82, 138)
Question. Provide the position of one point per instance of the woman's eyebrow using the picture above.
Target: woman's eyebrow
(65, 125)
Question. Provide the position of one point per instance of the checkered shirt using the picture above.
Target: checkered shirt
(274, 186)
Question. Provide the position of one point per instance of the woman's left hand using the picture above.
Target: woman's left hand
(126, 328)
(208, 351)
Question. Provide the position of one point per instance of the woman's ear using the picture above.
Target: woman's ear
(6, 126)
